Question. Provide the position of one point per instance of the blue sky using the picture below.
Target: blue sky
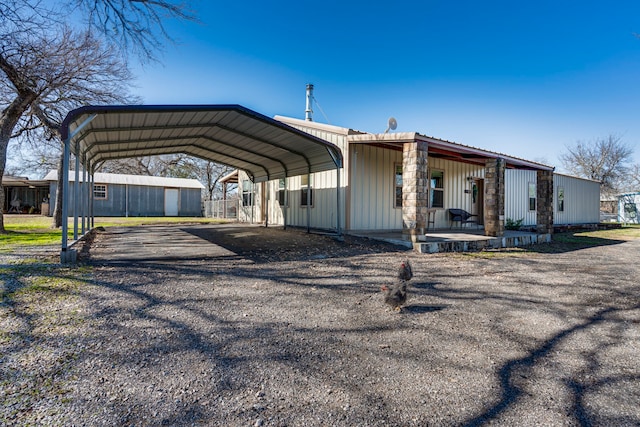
(523, 78)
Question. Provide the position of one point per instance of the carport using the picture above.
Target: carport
(233, 135)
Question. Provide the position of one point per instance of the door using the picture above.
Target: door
(171, 201)
(477, 199)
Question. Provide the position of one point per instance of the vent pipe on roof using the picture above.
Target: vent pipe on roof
(308, 112)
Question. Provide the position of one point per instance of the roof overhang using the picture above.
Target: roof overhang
(444, 149)
(232, 135)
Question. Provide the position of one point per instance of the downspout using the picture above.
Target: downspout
(126, 200)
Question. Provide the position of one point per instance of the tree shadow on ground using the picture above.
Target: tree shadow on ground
(511, 373)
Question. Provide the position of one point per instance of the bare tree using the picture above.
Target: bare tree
(49, 69)
(603, 159)
(49, 74)
(134, 25)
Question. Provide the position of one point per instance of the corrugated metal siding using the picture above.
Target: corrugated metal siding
(372, 193)
(372, 188)
(581, 200)
(190, 202)
(249, 213)
(516, 196)
(145, 201)
(142, 200)
(455, 184)
(324, 209)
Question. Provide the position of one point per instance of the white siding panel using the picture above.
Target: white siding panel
(372, 192)
(516, 196)
(323, 213)
(457, 189)
(581, 200)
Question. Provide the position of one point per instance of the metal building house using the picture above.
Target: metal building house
(372, 184)
(137, 195)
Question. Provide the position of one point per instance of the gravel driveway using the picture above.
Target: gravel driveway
(282, 328)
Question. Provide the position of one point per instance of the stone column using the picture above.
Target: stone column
(415, 197)
(494, 197)
(544, 202)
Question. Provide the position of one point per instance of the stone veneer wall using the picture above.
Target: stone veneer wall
(544, 202)
(414, 189)
(494, 197)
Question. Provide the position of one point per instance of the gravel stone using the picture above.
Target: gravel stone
(271, 327)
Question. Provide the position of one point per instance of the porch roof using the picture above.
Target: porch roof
(444, 149)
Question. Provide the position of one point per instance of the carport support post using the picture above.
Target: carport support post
(308, 201)
(91, 183)
(66, 255)
(85, 193)
(338, 202)
(286, 203)
(76, 196)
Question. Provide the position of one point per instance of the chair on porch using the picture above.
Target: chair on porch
(463, 217)
(16, 204)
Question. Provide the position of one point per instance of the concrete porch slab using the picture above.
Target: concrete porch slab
(459, 240)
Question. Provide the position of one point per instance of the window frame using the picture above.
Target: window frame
(532, 192)
(397, 198)
(105, 191)
(247, 193)
(433, 189)
(282, 200)
(306, 190)
(560, 199)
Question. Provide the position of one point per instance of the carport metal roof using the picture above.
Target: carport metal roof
(229, 134)
(233, 135)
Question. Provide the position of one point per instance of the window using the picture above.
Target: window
(532, 196)
(281, 191)
(560, 199)
(436, 189)
(306, 191)
(247, 194)
(398, 187)
(99, 191)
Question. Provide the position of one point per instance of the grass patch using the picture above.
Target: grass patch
(35, 230)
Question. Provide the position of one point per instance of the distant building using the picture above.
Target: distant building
(629, 208)
(25, 196)
(137, 195)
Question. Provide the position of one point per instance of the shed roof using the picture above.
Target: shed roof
(229, 134)
(142, 180)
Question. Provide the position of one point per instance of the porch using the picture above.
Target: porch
(460, 240)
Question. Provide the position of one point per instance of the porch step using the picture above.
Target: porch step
(479, 244)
